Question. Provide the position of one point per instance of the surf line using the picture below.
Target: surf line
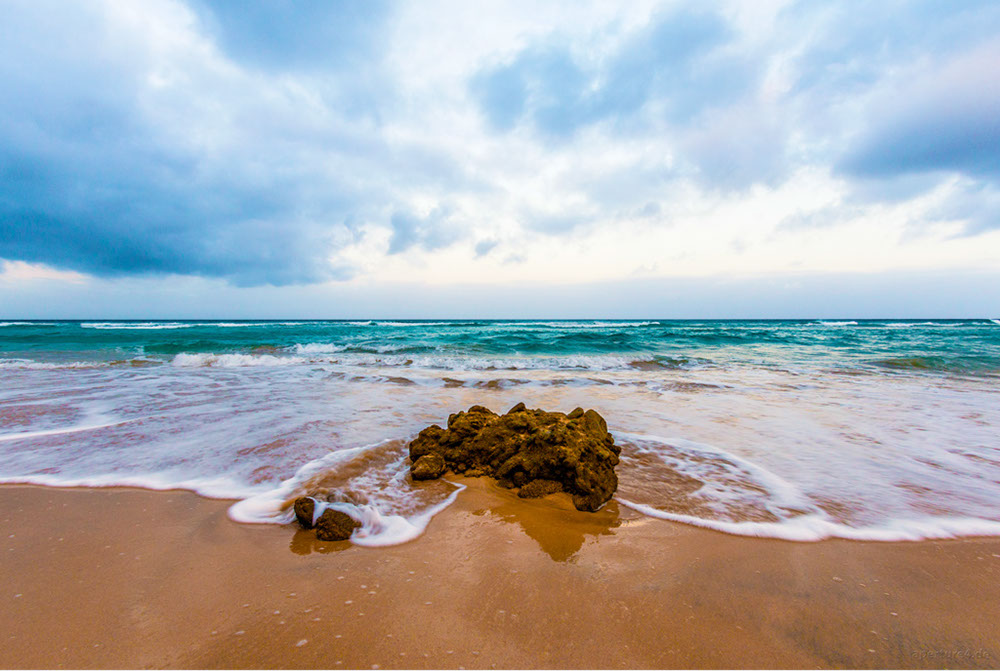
(56, 432)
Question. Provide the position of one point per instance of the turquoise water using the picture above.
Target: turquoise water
(955, 346)
(865, 429)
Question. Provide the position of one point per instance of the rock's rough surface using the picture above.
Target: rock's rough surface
(304, 508)
(539, 488)
(573, 451)
(334, 525)
(428, 467)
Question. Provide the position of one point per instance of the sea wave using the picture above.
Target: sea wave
(583, 324)
(383, 356)
(417, 323)
(27, 324)
(136, 326)
(486, 363)
(186, 360)
(29, 364)
(844, 323)
(317, 348)
(966, 365)
(236, 325)
(572, 324)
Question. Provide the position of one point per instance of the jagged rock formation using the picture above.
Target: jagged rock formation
(537, 451)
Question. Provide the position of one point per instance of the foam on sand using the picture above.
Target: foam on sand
(368, 483)
(727, 493)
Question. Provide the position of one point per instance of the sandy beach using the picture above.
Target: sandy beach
(586, 335)
(132, 578)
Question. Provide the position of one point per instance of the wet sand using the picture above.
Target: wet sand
(132, 578)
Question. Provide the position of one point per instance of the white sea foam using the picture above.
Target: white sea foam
(591, 325)
(818, 526)
(729, 481)
(55, 432)
(441, 362)
(209, 487)
(233, 325)
(185, 360)
(28, 364)
(136, 325)
(847, 323)
(387, 323)
(798, 518)
(237, 325)
(996, 321)
(380, 524)
(519, 323)
(546, 325)
(318, 348)
(154, 326)
(935, 324)
(27, 324)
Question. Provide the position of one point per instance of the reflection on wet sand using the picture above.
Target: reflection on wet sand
(553, 522)
(305, 542)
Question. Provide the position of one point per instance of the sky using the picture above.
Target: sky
(324, 159)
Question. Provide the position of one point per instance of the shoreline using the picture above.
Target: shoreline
(121, 577)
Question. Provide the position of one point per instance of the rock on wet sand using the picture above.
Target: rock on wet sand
(332, 525)
(537, 451)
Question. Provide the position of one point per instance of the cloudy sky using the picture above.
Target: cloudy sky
(270, 158)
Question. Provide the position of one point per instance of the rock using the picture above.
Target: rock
(304, 508)
(539, 488)
(573, 451)
(428, 467)
(334, 525)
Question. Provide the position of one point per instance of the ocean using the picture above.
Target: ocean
(803, 430)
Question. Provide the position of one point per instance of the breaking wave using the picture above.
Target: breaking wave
(233, 360)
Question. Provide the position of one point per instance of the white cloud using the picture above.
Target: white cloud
(204, 161)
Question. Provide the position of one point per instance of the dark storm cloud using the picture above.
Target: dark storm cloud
(94, 179)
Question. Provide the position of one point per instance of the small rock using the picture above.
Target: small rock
(334, 525)
(304, 508)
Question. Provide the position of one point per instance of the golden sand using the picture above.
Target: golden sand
(132, 578)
